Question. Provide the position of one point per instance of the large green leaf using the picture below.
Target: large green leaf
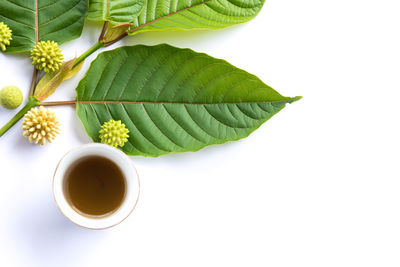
(194, 14)
(172, 99)
(32, 21)
(115, 11)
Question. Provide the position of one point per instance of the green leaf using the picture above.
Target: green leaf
(161, 15)
(172, 99)
(115, 11)
(32, 21)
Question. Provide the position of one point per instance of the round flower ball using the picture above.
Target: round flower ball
(10, 97)
(47, 56)
(114, 133)
(40, 125)
(5, 36)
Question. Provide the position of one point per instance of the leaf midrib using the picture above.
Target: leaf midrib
(179, 103)
(37, 21)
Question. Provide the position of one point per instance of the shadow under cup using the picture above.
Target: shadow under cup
(120, 194)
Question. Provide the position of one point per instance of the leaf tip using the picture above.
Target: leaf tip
(294, 99)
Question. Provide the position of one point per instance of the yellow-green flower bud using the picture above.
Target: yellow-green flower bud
(10, 97)
(47, 56)
(5, 36)
(114, 133)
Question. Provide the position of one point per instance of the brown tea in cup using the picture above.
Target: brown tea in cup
(94, 186)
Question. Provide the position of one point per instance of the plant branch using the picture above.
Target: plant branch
(33, 102)
(88, 53)
(33, 82)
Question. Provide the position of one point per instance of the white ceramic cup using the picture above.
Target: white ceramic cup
(131, 182)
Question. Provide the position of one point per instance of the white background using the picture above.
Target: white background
(317, 185)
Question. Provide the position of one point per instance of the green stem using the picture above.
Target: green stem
(33, 102)
(88, 53)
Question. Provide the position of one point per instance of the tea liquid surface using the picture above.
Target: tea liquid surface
(95, 186)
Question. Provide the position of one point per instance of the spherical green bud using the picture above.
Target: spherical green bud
(47, 56)
(10, 97)
(5, 36)
(114, 133)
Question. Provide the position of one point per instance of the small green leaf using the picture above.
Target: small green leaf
(32, 21)
(115, 11)
(172, 99)
(49, 83)
(160, 15)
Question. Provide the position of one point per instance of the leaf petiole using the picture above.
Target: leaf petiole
(58, 103)
(103, 31)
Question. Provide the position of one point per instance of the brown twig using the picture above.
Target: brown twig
(116, 39)
(103, 31)
(33, 82)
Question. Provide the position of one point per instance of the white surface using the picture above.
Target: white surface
(318, 185)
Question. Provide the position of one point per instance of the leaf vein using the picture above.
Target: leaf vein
(145, 137)
(157, 19)
(24, 7)
(186, 131)
(198, 125)
(159, 129)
